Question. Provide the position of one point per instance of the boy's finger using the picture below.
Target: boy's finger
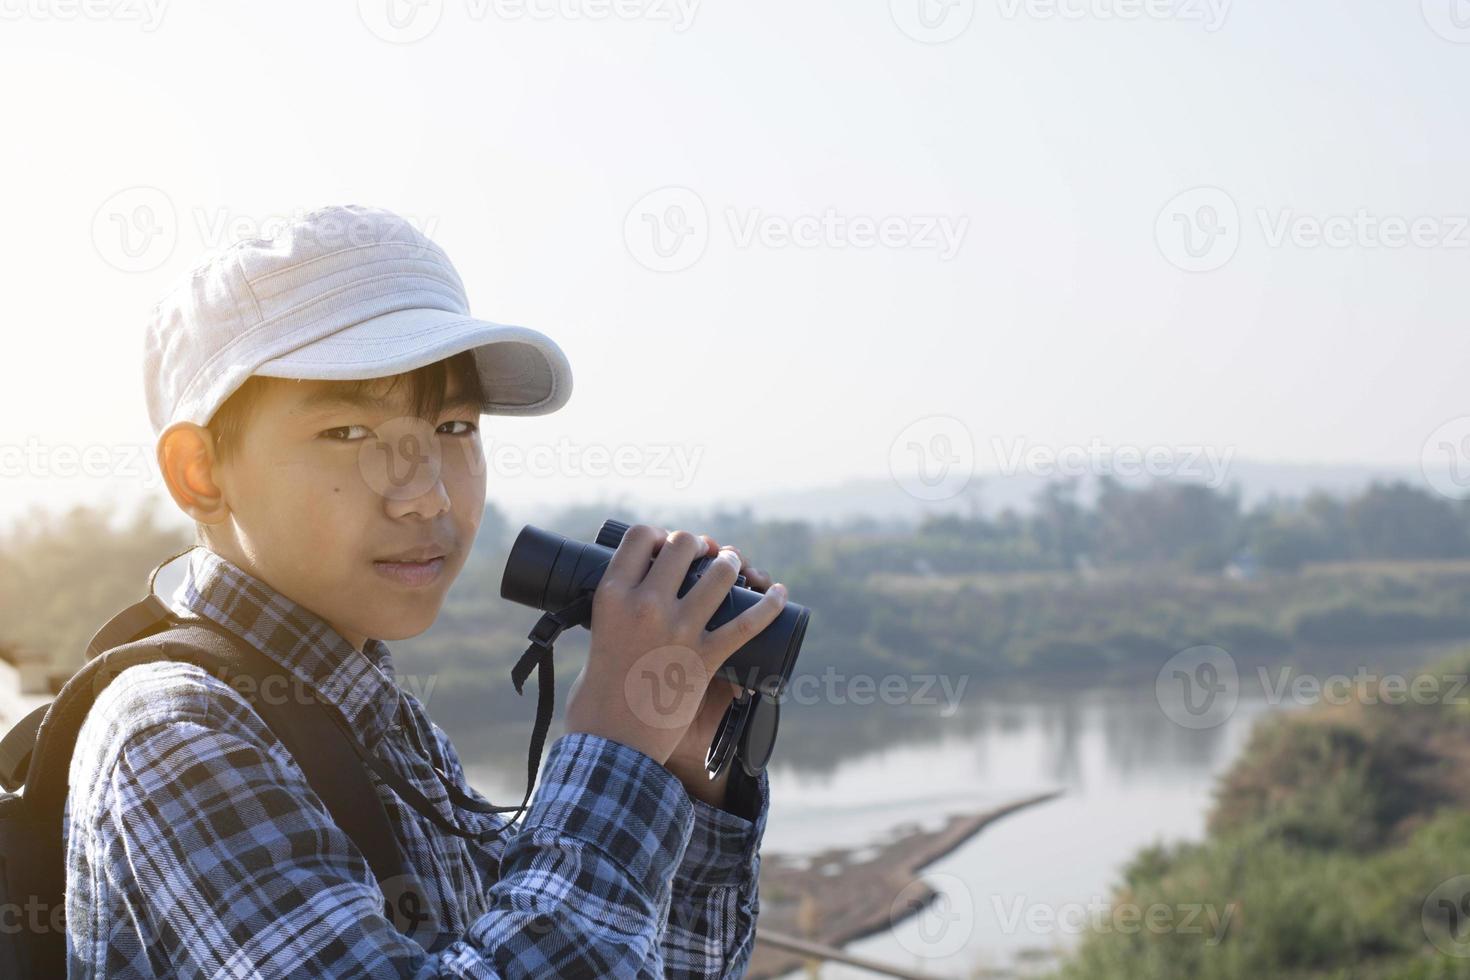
(756, 579)
(705, 596)
(675, 555)
(630, 561)
(723, 642)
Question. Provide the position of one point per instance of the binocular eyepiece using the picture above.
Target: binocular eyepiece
(548, 571)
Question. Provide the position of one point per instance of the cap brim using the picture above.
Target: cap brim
(522, 370)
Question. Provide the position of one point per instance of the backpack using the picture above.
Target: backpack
(35, 758)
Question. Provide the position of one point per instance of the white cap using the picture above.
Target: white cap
(341, 294)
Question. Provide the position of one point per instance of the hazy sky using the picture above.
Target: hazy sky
(879, 213)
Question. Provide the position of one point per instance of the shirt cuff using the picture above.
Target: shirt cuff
(616, 799)
(722, 845)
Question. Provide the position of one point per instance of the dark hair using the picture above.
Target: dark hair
(427, 387)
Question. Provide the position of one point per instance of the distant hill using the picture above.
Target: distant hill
(882, 499)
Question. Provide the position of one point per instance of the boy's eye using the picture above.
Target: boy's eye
(343, 433)
(351, 433)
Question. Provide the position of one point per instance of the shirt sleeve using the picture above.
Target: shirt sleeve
(715, 898)
(232, 860)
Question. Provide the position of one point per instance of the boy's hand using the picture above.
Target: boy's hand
(647, 683)
(687, 760)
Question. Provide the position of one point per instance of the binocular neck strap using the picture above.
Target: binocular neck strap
(543, 638)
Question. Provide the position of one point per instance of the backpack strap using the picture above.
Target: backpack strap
(319, 743)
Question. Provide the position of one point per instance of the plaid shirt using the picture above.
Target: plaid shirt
(196, 848)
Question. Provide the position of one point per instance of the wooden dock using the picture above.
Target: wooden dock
(838, 896)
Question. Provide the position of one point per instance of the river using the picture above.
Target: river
(1018, 894)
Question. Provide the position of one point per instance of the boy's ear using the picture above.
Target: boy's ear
(189, 462)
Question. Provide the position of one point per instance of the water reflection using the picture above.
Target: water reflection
(847, 775)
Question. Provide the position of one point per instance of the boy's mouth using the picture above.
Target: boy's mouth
(412, 569)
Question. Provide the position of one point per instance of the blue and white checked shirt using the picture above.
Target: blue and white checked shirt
(196, 848)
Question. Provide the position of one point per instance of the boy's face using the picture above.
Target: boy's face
(321, 491)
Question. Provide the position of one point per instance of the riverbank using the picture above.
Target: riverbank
(1339, 845)
(843, 894)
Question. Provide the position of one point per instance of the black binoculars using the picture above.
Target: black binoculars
(549, 572)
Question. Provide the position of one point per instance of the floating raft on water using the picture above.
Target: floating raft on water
(843, 894)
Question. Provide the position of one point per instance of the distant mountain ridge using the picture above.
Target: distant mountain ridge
(989, 493)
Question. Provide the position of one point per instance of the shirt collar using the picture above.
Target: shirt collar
(360, 684)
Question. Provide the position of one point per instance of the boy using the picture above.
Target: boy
(316, 399)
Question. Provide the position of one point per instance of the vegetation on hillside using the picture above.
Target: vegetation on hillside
(1333, 850)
